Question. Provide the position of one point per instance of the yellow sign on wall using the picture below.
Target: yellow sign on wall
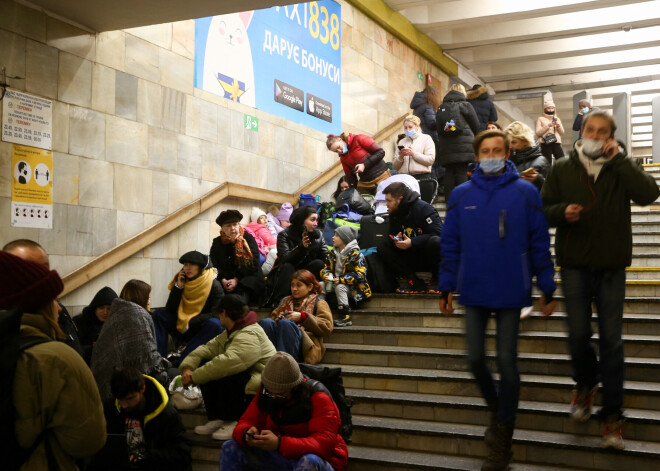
(32, 187)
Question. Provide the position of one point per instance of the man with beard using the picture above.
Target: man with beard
(414, 237)
(587, 197)
(151, 430)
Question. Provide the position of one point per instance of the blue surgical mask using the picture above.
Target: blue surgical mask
(344, 148)
(492, 165)
(585, 110)
(410, 133)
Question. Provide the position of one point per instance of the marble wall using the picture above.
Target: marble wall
(133, 140)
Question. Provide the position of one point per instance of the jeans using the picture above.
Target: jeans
(285, 335)
(235, 457)
(165, 323)
(507, 358)
(607, 289)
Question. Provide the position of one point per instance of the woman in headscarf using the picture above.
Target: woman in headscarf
(90, 322)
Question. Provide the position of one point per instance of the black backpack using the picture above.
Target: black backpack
(447, 120)
(11, 347)
(332, 383)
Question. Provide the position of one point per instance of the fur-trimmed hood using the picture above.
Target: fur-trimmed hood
(480, 93)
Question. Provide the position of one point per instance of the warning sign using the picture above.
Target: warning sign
(27, 119)
(32, 187)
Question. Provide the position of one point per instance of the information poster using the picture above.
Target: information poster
(32, 187)
(27, 120)
(283, 60)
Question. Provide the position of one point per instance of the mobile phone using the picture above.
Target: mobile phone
(250, 434)
(400, 147)
(395, 238)
(528, 171)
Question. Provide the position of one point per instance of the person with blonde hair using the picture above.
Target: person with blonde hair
(526, 153)
(457, 124)
(415, 153)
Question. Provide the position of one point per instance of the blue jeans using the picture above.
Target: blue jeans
(198, 334)
(285, 335)
(235, 457)
(507, 358)
(607, 289)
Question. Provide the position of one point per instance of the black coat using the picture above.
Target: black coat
(88, 325)
(250, 279)
(531, 157)
(483, 106)
(458, 149)
(290, 248)
(70, 330)
(416, 218)
(210, 307)
(168, 447)
(426, 115)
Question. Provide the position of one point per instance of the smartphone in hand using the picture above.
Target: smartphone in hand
(395, 238)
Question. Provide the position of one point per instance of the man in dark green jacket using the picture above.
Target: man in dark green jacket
(587, 197)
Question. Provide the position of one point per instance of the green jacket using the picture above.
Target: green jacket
(602, 237)
(54, 390)
(245, 349)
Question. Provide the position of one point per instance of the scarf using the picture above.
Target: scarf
(593, 167)
(249, 319)
(307, 305)
(241, 248)
(195, 294)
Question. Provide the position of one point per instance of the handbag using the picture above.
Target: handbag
(550, 138)
(184, 398)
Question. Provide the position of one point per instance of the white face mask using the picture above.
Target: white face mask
(592, 148)
(492, 165)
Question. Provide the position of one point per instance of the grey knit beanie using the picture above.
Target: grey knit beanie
(281, 373)
(347, 233)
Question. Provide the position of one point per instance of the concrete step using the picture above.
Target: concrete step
(637, 369)
(555, 389)
(647, 346)
(547, 448)
(532, 415)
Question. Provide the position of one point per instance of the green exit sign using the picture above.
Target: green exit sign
(420, 76)
(251, 122)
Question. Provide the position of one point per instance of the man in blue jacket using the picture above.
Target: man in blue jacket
(495, 239)
(414, 236)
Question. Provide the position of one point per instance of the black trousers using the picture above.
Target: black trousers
(406, 262)
(225, 398)
(548, 150)
(455, 174)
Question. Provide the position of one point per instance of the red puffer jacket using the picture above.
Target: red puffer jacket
(318, 436)
(363, 150)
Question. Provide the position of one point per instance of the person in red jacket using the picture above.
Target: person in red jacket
(290, 425)
(360, 156)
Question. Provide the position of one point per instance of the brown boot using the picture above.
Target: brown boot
(500, 452)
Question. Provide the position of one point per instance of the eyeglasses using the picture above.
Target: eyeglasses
(267, 393)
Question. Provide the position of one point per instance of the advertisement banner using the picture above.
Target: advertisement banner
(32, 187)
(27, 120)
(282, 60)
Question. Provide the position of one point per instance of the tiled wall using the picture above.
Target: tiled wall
(133, 140)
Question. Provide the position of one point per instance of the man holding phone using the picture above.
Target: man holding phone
(587, 198)
(414, 241)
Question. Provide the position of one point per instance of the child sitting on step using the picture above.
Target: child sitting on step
(345, 273)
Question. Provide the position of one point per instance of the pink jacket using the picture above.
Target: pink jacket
(262, 235)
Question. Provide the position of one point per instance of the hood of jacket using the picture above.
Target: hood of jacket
(156, 399)
(454, 96)
(525, 155)
(480, 93)
(103, 297)
(419, 99)
(509, 175)
(407, 201)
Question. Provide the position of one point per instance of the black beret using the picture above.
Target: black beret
(198, 258)
(231, 215)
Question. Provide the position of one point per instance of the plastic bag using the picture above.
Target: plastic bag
(184, 398)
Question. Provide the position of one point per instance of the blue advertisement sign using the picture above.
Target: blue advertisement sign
(282, 60)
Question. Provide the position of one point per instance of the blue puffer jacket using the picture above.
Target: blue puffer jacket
(494, 240)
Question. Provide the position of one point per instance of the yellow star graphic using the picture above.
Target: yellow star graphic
(235, 91)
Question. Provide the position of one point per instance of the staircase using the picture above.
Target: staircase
(417, 407)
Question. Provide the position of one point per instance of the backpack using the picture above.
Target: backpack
(446, 119)
(326, 211)
(333, 385)
(11, 347)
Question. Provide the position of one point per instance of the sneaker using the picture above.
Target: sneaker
(209, 427)
(612, 437)
(225, 432)
(413, 287)
(526, 311)
(582, 401)
(345, 322)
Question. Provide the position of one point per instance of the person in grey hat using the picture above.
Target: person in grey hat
(195, 293)
(345, 273)
(307, 439)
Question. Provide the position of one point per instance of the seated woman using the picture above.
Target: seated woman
(526, 154)
(235, 255)
(91, 320)
(301, 321)
(290, 424)
(228, 368)
(360, 156)
(300, 246)
(342, 184)
(415, 153)
(195, 294)
(127, 339)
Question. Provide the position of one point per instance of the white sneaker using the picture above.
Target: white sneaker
(225, 432)
(209, 427)
(526, 311)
